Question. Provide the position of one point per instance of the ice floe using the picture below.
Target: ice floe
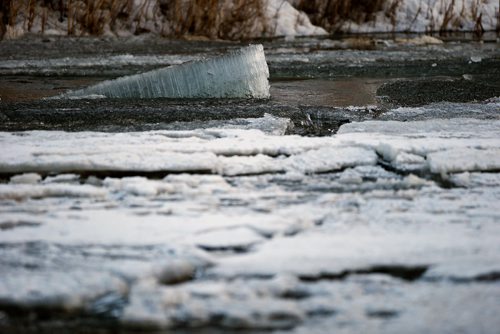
(434, 145)
(23, 191)
(475, 179)
(364, 233)
(464, 159)
(282, 229)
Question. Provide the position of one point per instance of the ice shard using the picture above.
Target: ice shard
(241, 73)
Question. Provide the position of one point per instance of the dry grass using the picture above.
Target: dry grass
(331, 14)
(215, 19)
(498, 17)
(225, 19)
(453, 19)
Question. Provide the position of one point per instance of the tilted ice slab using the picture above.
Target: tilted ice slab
(241, 73)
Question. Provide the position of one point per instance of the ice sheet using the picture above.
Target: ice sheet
(463, 145)
(366, 231)
(261, 251)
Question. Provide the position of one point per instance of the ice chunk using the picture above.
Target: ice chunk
(238, 238)
(288, 21)
(57, 290)
(470, 180)
(241, 73)
(23, 191)
(444, 128)
(464, 160)
(358, 247)
(27, 178)
(327, 159)
(248, 165)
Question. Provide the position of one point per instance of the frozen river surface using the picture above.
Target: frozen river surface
(362, 200)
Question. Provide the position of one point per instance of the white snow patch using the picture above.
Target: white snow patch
(452, 145)
(259, 164)
(58, 289)
(24, 191)
(240, 152)
(88, 97)
(470, 180)
(329, 159)
(314, 253)
(234, 238)
(139, 186)
(26, 178)
(269, 124)
(456, 127)
(429, 16)
(285, 20)
(124, 227)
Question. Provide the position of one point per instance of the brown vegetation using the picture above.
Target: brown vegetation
(215, 19)
(331, 14)
(226, 19)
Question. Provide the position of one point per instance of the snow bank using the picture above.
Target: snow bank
(285, 20)
(221, 19)
(256, 19)
(430, 15)
(23, 191)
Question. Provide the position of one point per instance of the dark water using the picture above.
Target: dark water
(318, 83)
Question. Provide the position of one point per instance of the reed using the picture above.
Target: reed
(332, 14)
(223, 19)
(214, 19)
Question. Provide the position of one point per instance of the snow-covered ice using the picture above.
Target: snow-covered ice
(366, 230)
(431, 15)
(441, 146)
(464, 159)
(237, 74)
